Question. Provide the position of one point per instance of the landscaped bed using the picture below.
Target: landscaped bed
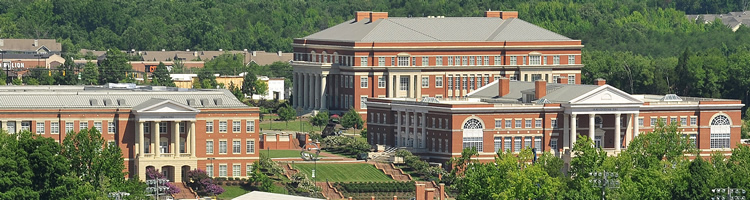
(282, 153)
(344, 172)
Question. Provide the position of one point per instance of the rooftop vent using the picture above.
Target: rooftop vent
(108, 102)
(121, 102)
(93, 102)
(543, 101)
(671, 97)
(430, 100)
(191, 102)
(218, 102)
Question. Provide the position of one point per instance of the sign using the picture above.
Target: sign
(12, 65)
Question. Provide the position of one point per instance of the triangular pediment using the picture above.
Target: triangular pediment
(163, 106)
(606, 94)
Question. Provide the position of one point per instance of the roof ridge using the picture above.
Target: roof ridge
(499, 29)
(412, 30)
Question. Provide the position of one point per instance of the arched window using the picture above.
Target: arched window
(720, 132)
(473, 134)
(598, 121)
(473, 124)
(312, 56)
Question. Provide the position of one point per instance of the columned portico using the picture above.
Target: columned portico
(156, 113)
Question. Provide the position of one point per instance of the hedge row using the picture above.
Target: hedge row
(357, 187)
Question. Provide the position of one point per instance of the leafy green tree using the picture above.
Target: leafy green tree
(587, 159)
(249, 84)
(17, 81)
(161, 76)
(114, 67)
(67, 74)
(236, 91)
(90, 74)
(261, 88)
(351, 119)
(287, 113)
(206, 79)
(321, 119)
(91, 159)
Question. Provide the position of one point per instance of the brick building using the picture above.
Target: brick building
(206, 129)
(511, 115)
(375, 55)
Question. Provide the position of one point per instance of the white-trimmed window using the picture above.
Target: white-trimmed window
(210, 147)
(425, 61)
(498, 60)
(236, 126)
(553, 144)
(486, 60)
(673, 120)
(363, 61)
(250, 146)
(475, 142)
(538, 123)
(413, 61)
(248, 170)
(439, 61)
(528, 123)
(381, 82)
(98, 126)
(518, 123)
(720, 132)
(517, 144)
(465, 60)
(571, 60)
(393, 61)
(363, 82)
(54, 127)
(250, 126)
(425, 81)
(464, 82)
(236, 147)
(223, 147)
(222, 126)
(598, 141)
(498, 144)
(555, 60)
(81, 125)
(162, 127)
(450, 82)
(450, 60)
(209, 126)
(486, 79)
(527, 142)
(553, 122)
(683, 121)
(508, 123)
(538, 143)
(111, 128)
(68, 127)
(404, 83)
(381, 61)
(693, 139)
(223, 170)
(471, 60)
(210, 170)
(498, 123)
(572, 79)
(236, 170)
(693, 120)
(513, 60)
(40, 128)
(640, 121)
(438, 81)
(363, 102)
(535, 60)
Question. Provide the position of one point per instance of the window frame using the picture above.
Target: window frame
(425, 81)
(209, 126)
(54, 127)
(438, 81)
(363, 81)
(40, 128)
(236, 126)
(223, 126)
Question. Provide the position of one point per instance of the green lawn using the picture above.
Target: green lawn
(344, 172)
(230, 192)
(283, 153)
(294, 125)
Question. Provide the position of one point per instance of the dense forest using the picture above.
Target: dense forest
(640, 46)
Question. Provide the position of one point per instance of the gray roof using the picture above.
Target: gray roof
(401, 29)
(556, 93)
(99, 97)
(30, 45)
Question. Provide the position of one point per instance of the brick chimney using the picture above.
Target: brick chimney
(540, 88)
(508, 14)
(600, 81)
(361, 15)
(493, 14)
(503, 86)
(562, 80)
(375, 16)
(420, 192)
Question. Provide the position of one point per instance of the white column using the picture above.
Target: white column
(628, 130)
(565, 139)
(141, 141)
(418, 86)
(176, 139)
(323, 96)
(398, 86)
(592, 118)
(295, 90)
(317, 90)
(573, 133)
(398, 129)
(18, 126)
(618, 143)
(155, 137)
(636, 126)
(5, 126)
(305, 91)
(192, 139)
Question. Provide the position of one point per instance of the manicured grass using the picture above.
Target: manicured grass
(344, 172)
(230, 192)
(283, 153)
(294, 125)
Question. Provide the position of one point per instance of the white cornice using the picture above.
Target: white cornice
(401, 48)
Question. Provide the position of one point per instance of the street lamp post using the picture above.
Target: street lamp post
(605, 180)
(728, 194)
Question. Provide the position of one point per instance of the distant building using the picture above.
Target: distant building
(275, 85)
(275, 89)
(732, 19)
(17, 56)
(510, 115)
(205, 129)
(30, 46)
(377, 56)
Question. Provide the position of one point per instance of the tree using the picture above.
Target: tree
(249, 84)
(287, 113)
(68, 75)
(114, 67)
(321, 119)
(202, 184)
(161, 76)
(351, 119)
(261, 88)
(91, 160)
(206, 79)
(152, 173)
(90, 74)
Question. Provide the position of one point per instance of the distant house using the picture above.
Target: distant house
(30, 46)
(17, 56)
(732, 19)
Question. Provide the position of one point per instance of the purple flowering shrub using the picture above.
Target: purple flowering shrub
(152, 173)
(199, 180)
